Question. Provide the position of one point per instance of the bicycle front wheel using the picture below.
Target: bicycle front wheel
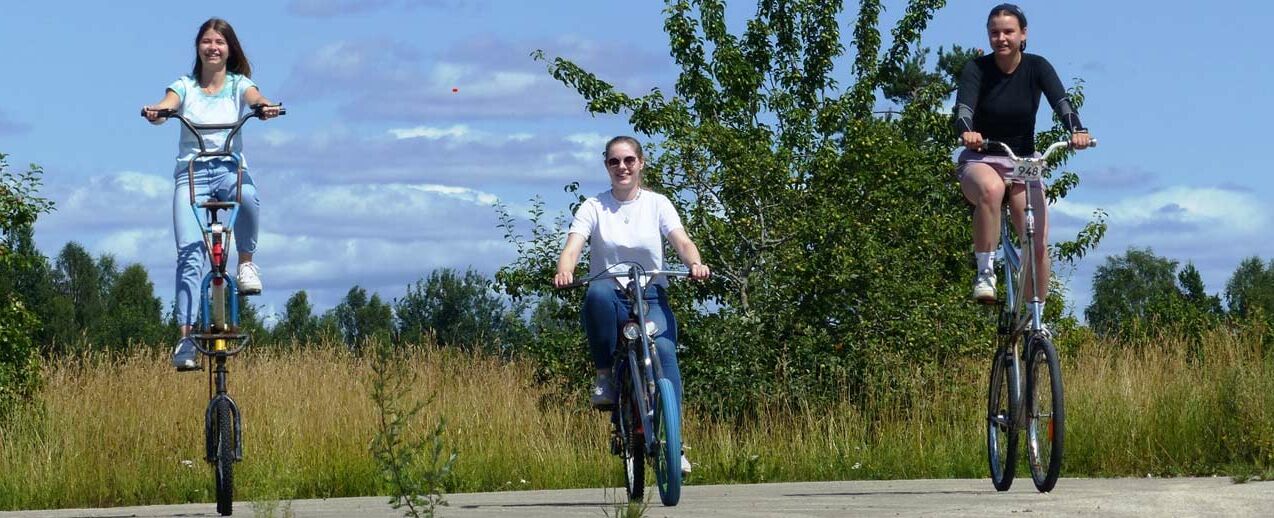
(1001, 433)
(223, 464)
(667, 453)
(1046, 414)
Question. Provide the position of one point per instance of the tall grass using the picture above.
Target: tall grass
(126, 430)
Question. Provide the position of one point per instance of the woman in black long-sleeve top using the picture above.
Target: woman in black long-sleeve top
(998, 97)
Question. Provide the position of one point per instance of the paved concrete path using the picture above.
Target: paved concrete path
(1073, 497)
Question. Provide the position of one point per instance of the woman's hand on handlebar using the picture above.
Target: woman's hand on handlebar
(699, 271)
(563, 279)
(152, 114)
(268, 111)
(1081, 140)
(972, 140)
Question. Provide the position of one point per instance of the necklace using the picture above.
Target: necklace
(625, 209)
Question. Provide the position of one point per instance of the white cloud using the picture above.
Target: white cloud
(484, 77)
(1219, 210)
(459, 132)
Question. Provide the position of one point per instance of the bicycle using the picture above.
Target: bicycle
(218, 336)
(1041, 411)
(646, 420)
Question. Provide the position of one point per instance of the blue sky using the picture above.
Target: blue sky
(380, 173)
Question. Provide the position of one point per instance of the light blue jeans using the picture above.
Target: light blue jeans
(214, 179)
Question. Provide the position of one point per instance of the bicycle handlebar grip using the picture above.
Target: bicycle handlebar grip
(163, 112)
(258, 109)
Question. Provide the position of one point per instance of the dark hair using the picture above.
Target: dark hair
(1009, 10)
(236, 62)
(627, 140)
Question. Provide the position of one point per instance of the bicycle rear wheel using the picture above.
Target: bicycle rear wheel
(1001, 434)
(1046, 414)
(223, 465)
(667, 455)
(633, 449)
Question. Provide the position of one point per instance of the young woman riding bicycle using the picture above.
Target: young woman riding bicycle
(218, 90)
(626, 223)
(998, 97)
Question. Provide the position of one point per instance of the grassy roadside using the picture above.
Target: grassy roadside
(123, 431)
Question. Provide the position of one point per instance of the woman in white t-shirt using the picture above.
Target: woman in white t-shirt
(217, 91)
(626, 223)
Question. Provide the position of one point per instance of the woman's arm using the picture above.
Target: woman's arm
(1056, 95)
(170, 102)
(567, 261)
(253, 97)
(689, 253)
(970, 86)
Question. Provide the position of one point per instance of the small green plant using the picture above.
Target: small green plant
(414, 468)
(624, 508)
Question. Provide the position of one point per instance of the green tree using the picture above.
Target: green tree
(252, 324)
(361, 318)
(839, 242)
(20, 206)
(298, 325)
(31, 279)
(1127, 287)
(1251, 288)
(458, 310)
(1191, 284)
(79, 279)
(134, 313)
(1141, 295)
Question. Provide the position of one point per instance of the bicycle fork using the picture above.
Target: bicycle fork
(210, 417)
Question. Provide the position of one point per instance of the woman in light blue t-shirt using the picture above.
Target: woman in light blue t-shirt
(217, 91)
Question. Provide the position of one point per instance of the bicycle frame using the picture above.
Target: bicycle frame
(1020, 317)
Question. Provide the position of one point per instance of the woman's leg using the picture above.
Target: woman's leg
(601, 323)
(666, 341)
(245, 225)
(188, 235)
(984, 188)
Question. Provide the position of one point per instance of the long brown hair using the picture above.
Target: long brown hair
(237, 62)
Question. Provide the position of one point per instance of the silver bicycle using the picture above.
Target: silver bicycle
(1036, 407)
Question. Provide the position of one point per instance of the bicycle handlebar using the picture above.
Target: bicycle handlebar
(1043, 156)
(258, 111)
(613, 274)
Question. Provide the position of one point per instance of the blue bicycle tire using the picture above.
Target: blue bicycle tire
(667, 458)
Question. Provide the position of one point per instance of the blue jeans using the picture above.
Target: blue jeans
(213, 179)
(605, 308)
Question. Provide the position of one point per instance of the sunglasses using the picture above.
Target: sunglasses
(628, 161)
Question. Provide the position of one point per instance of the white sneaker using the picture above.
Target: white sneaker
(249, 279)
(685, 465)
(185, 357)
(984, 287)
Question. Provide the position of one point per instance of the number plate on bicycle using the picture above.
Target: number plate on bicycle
(1031, 170)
